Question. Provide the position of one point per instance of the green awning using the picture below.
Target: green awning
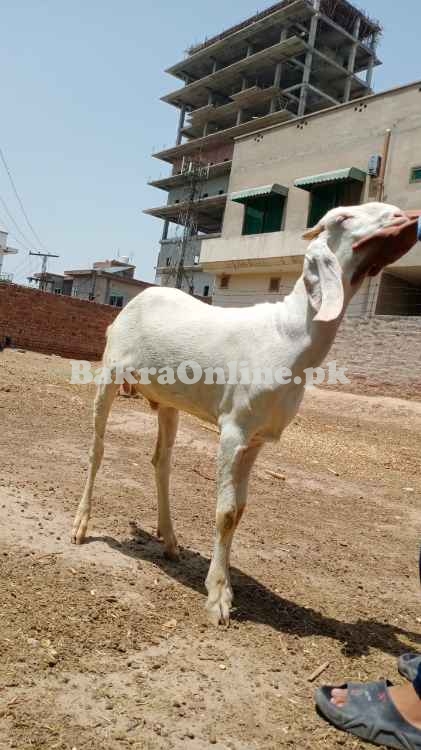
(244, 195)
(327, 178)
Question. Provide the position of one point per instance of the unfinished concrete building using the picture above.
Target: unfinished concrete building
(292, 59)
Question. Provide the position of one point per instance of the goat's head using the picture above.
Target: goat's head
(332, 264)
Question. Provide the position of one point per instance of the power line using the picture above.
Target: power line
(20, 268)
(22, 244)
(25, 269)
(16, 240)
(14, 222)
(19, 199)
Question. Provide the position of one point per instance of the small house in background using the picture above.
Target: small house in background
(55, 283)
(108, 282)
(5, 250)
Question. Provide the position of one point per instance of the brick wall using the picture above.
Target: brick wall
(382, 354)
(53, 324)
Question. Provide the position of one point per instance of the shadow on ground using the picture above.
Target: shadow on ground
(254, 602)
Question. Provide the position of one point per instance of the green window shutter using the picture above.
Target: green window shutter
(274, 213)
(264, 214)
(326, 197)
(416, 174)
(322, 200)
(253, 218)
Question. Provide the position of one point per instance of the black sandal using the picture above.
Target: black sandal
(370, 715)
(408, 665)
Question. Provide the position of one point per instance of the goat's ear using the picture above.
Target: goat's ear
(323, 281)
(328, 221)
(311, 234)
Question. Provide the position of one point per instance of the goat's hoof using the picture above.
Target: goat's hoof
(170, 546)
(78, 538)
(219, 606)
(79, 529)
(172, 554)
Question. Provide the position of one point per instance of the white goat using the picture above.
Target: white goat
(165, 327)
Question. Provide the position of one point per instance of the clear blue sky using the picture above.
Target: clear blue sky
(80, 88)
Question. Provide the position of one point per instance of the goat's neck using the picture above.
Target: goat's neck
(311, 339)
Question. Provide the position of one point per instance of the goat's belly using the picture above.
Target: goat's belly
(164, 395)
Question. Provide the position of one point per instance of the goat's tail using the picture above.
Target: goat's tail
(107, 360)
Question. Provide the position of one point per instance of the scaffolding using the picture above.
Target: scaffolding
(196, 174)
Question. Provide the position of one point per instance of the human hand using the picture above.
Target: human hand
(396, 239)
(412, 214)
(387, 244)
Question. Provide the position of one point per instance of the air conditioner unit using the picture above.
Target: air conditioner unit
(374, 165)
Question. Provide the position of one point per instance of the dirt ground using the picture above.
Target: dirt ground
(107, 646)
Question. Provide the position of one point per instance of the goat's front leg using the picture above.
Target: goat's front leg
(235, 460)
(102, 406)
(167, 431)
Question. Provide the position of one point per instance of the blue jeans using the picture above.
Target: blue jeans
(417, 682)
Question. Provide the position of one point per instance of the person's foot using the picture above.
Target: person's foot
(404, 697)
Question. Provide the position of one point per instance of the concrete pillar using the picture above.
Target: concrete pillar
(370, 73)
(277, 76)
(244, 85)
(278, 73)
(351, 61)
(309, 60)
(276, 82)
(303, 99)
(180, 124)
(165, 229)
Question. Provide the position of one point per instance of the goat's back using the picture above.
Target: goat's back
(163, 326)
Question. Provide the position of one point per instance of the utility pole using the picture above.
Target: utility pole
(45, 257)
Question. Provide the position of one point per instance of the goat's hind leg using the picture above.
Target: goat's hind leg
(102, 406)
(167, 431)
